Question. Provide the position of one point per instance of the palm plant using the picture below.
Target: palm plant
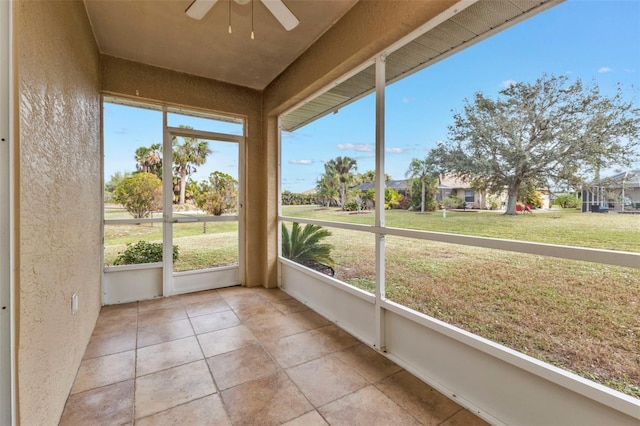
(149, 159)
(304, 246)
(423, 170)
(342, 167)
(192, 152)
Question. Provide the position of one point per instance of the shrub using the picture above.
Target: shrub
(452, 202)
(143, 252)
(140, 194)
(351, 206)
(218, 195)
(392, 198)
(303, 245)
(566, 201)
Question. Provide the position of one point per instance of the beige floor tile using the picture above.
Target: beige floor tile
(334, 338)
(158, 303)
(199, 296)
(290, 306)
(296, 349)
(465, 418)
(309, 319)
(426, 404)
(326, 379)
(247, 300)
(366, 361)
(119, 311)
(204, 411)
(256, 313)
(169, 388)
(272, 294)
(212, 322)
(115, 324)
(160, 315)
(226, 340)
(108, 405)
(105, 370)
(312, 418)
(367, 406)
(273, 327)
(205, 307)
(235, 291)
(164, 332)
(166, 355)
(106, 344)
(236, 367)
(272, 400)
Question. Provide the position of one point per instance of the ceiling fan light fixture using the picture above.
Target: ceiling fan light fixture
(199, 8)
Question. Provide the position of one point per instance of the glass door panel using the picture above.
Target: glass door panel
(205, 211)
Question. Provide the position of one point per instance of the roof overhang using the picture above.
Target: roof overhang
(463, 25)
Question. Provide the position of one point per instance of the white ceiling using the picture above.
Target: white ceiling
(159, 33)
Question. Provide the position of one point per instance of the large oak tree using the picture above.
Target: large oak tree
(541, 133)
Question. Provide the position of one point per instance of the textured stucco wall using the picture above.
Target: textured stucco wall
(58, 183)
(145, 82)
(367, 29)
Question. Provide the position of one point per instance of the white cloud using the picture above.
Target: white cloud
(604, 70)
(508, 83)
(360, 147)
(122, 131)
(301, 162)
(394, 150)
(405, 100)
(629, 70)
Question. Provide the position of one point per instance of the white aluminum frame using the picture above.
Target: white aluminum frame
(7, 316)
(189, 281)
(497, 383)
(121, 283)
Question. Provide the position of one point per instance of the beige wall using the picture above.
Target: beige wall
(58, 181)
(148, 83)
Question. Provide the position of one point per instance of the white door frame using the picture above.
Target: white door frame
(7, 402)
(188, 282)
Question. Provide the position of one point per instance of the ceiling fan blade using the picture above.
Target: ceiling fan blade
(282, 13)
(199, 8)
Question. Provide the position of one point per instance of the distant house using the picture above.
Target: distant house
(619, 192)
(398, 185)
(449, 186)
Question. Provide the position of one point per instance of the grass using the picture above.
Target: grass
(556, 226)
(218, 246)
(579, 316)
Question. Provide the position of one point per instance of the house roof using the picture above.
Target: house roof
(628, 179)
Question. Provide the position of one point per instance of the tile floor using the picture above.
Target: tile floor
(241, 356)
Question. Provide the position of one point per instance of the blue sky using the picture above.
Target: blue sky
(127, 128)
(597, 41)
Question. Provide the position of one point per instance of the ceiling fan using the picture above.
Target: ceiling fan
(199, 8)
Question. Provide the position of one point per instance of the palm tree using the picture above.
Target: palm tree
(327, 186)
(192, 152)
(303, 245)
(423, 170)
(342, 167)
(149, 159)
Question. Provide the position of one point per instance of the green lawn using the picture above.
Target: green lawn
(199, 247)
(556, 226)
(576, 315)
